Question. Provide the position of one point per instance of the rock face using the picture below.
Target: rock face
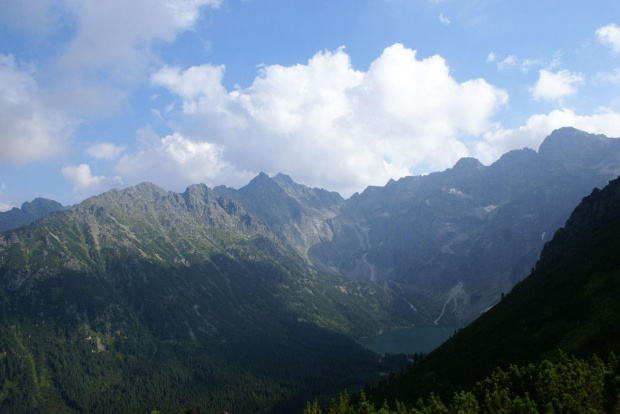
(298, 215)
(28, 213)
(449, 243)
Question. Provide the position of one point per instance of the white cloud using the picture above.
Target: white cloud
(175, 162)
(444, 19)
(610, 35)
(110, 46)
(552, 86)
(86, 184)
(511, 60)
(330, 125)
(105, 151)
(537, 127)
(491, 57)
(31, 130)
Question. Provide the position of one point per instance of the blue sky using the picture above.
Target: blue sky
(337, 94)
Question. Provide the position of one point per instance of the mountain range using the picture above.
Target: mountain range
(447, 244)
(255, 299)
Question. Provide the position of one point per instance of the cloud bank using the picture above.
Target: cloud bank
(326, 123)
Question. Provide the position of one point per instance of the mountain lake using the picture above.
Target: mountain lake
(419, 338)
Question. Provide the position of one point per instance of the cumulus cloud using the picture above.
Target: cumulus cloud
(444, 19)
(175, 161)
(31, 129)
(552, 86)
(537, 127)
(491, 57)
(110, 47)
(105, 151)
(330, 125)
(86, 184)
(610, 35)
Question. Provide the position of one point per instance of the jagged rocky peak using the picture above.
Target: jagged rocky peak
(572, 145)
(41, 206)
(261, 179)
(467, 164)
(197, 193)
(147, 188)
(320, 197)
(28, 213)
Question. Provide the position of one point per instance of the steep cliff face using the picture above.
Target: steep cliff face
(300, 216)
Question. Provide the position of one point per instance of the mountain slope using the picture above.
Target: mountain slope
(568, 302)
(29, 212)
(297, 214)
(174, 301)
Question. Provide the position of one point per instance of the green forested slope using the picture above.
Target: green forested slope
(141, 299)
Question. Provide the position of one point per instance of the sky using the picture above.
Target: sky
(338, 94)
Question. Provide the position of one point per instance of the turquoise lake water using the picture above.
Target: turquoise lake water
(420, 338)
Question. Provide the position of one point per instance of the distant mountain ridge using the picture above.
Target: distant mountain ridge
(449, 243)
(28, 213)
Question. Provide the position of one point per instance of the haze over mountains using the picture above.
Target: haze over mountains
(253, 298)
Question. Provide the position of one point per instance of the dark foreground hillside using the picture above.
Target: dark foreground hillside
(569, 302)
(568, 385)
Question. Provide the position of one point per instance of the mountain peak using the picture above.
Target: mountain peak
(260, 180)
(467, 164)
(569, 139)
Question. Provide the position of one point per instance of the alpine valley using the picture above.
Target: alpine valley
(256, 299)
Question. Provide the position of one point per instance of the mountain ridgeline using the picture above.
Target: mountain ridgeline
(141, 299)
(447, 244)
